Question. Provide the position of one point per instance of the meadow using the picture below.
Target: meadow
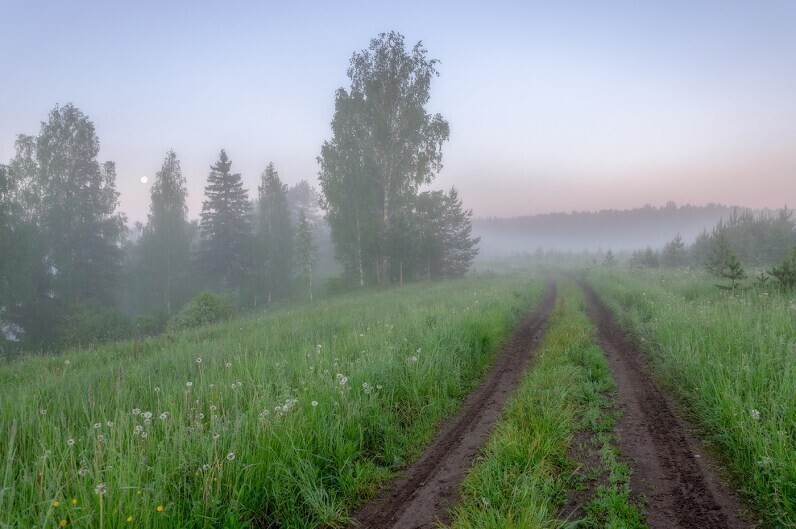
(730, 359)
(284, 419)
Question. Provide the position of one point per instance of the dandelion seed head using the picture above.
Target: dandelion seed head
(147, 415)
(188, 384)
(43, 411)
(97, 425)
(157, 389)
(230, 456)
(228, 364)
(100, 488)
(164, 416)
(136, 411)
(67, 362)
(198, 360)
(314, 403)
(110, 424)
(755, 414)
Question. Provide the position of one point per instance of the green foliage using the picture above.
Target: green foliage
(225, 225)
(785, 273)
(674, 253)
(203, 309)
(733, 271)
(165, 253)
(609, 260)
(645, 258)
(306, 252)
(384, 146)
(91, 323)
(273, 240)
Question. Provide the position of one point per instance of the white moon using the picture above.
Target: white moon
(144, 179)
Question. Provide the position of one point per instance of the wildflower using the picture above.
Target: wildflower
(230, 456)
(56, 504)
(233, 386)
(164, 416)
(74, 501)
(213, 407)
(157, 389)
(188, 384)
(228, 364)
(97, 426)
(160, 508)
(755, 415)
(314, 403)
(110, 424)
(63, 523)
(138, 428)
(198, 360)
(136, 411)
(201, 416)
(147, 415)
(70, 442)
(129, 519)
(100, 488)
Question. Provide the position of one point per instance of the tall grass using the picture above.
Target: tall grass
(731, 360)
(287, 419)
(521, 479)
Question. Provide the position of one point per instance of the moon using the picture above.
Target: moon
(144, 179)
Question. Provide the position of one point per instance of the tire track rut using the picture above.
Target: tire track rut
(681, 489)
(421, 496)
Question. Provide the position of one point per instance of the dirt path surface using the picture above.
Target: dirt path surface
(668, 467)
(423, 492)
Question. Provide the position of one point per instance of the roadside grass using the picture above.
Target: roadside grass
(730, 358)
(522, 477)
(288, 419)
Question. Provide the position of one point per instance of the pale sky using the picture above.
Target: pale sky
(553, 106)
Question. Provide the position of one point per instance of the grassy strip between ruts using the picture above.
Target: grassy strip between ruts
(522, 477)
(730, 358)
(287, 419)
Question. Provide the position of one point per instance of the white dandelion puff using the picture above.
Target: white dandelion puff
(70, 442)
(230, 456)
(314, 403)
(188, 384)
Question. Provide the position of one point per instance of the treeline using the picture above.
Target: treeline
(622, 230)
(73, 272)
(765, 241)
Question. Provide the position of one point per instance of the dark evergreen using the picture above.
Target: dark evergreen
(225, 227)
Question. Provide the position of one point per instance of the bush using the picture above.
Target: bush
(93, 323)
(203, 309)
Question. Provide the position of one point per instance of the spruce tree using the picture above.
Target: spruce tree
(225, 226)
(274, 237)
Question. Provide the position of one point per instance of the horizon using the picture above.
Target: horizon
(552, 108)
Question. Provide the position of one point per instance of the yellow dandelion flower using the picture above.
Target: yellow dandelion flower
(129, 519)
(62, 523)
(160, 508)
(56, 504)
(74, 501)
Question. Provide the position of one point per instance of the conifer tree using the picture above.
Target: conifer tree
(674, 252)
(225, 226)
(274, 237)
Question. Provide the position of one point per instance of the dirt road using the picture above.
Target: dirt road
(669, 468)
(426, 489)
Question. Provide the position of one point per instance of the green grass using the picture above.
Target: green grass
(289, 419)
(522, 477)
(730, 358)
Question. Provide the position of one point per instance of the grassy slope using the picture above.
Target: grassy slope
(522, 477)
(292, 416)
(731, 360)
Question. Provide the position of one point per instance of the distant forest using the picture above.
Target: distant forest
(620, 230)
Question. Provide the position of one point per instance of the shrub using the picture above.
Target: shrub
(203, 309)
(93, 323)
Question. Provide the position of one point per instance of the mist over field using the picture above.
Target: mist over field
(407, 265)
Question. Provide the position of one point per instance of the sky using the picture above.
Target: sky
(553, 106)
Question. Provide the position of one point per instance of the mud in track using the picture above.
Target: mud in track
(668, 467)
(425, 490)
